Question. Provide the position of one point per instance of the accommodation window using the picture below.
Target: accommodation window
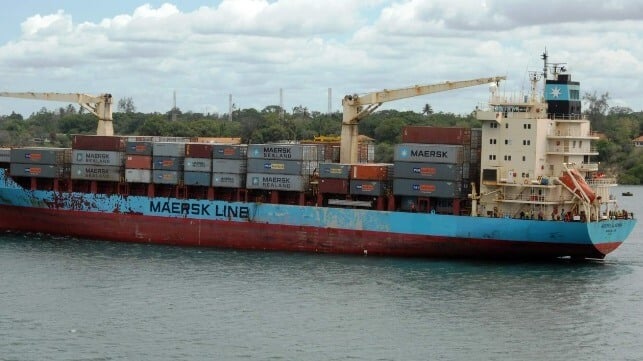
(493, 125)
(506, 125)
(492, 141)
(524, 158)
(526, 142)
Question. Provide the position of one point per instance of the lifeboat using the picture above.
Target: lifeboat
(572, 178)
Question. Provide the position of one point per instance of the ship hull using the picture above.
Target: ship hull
(279, 227)
(253, 235)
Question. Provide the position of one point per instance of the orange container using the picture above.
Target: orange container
(370, 171)
(138, 162)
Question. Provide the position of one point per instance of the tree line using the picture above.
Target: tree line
(617, 126)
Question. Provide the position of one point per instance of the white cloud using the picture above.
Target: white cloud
(251, 48)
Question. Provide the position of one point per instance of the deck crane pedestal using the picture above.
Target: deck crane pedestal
(99, 105)
(356, 107)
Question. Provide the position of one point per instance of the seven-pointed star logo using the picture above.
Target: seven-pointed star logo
(555, 92)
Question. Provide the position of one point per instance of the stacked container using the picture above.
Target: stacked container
(434, 162)
(40, 162)
(97, 158)
(167, 162)
(138, 161)
(369, 179)
(334, 178)
(197, 165)
(229, 164)
(285, 167)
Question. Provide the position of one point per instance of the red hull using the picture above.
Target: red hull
(261, 236)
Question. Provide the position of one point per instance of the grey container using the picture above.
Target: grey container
(367, 187)
(427, 188)
(5, 155)
(476, 138)
(222, 151)
(437, 171)
(38, 170)
(40, 155)
(284, 151)
(196, 178)
(282, 182)
(168, 149)
(228, 180)
(138, 147)
(197, 165)
(293, 167)
(334, 170)
(97, 157)
(95, 172)
(433, 153)
(167, 163)
(238, 166)
(166, 176)
(138, 175)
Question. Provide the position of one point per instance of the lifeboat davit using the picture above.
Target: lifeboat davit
(578, 179)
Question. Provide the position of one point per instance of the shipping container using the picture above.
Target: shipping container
(228, 180)
(365, 152)
(334, 186)
(138, 175)
(282, 182)
(476, 138)
(163, 139)
(139, 138)
(475, 156)
(38, 170)
(166, 149)
(367, 187)
(229, 151)
(39, 155)
(427, 188)
(5, 155)
(138, 147)
(198, 150)
(97, 157)
(370, 171)
(197, 165)
(436, 135)
(138, 162)
(437, 171)
(112, 143)
(237, 166)
(96, 172)
(433, 153)
(293, 167)
(166, 176)
(167, 163)
(196, 178)
(334, 170)
(283, 151)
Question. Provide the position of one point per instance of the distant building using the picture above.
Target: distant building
(638, 142)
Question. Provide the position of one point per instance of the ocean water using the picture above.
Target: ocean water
(70, 299)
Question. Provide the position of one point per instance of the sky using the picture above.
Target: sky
(206, 50)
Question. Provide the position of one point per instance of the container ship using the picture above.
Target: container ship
(521, 186)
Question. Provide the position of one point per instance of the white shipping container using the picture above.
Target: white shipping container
(283, 182)
(138, 175)
(97, 157)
